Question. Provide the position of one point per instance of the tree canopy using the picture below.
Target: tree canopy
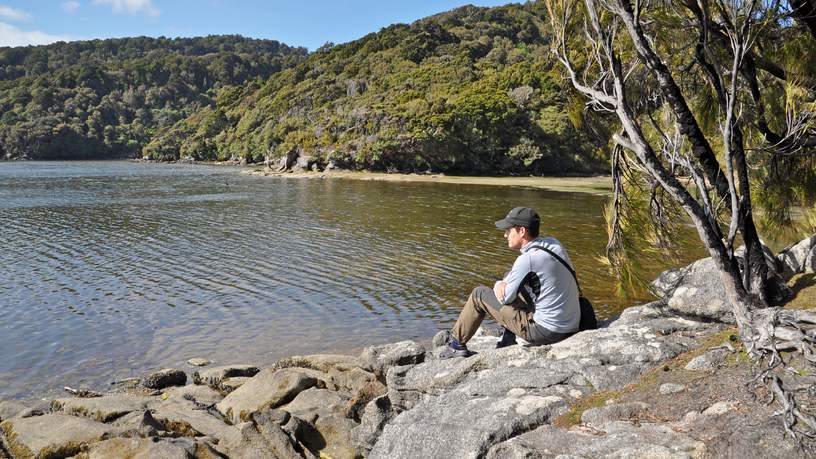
(107, 98)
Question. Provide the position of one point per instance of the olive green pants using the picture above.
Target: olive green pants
(516, 317)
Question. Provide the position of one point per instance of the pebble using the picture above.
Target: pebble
(198, 362)
(669, 388)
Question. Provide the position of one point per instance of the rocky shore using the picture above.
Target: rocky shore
(664, 379)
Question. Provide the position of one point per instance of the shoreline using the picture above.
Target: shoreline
(598, 184)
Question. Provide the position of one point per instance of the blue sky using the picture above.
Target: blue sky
(308, 23)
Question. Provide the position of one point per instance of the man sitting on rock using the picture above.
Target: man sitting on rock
(537, 299)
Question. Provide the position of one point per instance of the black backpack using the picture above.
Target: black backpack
(588, 319)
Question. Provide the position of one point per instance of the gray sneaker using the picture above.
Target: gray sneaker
(450, 352)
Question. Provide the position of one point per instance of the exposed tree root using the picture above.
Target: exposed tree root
(781, 338)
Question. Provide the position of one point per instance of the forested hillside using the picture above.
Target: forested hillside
(107, 98)
(473, 90)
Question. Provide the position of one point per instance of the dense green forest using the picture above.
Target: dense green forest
(473, 90)
(108, 98)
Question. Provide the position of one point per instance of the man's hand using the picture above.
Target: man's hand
(498, 289)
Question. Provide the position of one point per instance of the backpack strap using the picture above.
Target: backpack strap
(566, 265)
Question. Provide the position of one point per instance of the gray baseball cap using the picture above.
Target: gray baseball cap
(520, 216)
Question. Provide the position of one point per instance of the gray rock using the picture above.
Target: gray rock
(102, 409)
(259, 437)
(50, 435)
(268, 389)
(441, 338)
(621, 440)
(458, 424)
(186, 419)
(375, 416)
(164, 378)
(697, 291)
(379, 359)
(198, 362)
(670, 388)
(314, 402)
(230, 384)
(798, 258)
(621, 344)
(334, 437)
(710, 360)
(8, 409)
(214, 376)
(204, 395)
(136, 424)
(140, 448)
(351, 380)
(320, 362)
(720, 408)
(610, 377)
(598, 417)
(361, 397)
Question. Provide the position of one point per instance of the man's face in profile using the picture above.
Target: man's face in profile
(514, 237)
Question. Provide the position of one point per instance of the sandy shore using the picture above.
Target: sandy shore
(594, 185)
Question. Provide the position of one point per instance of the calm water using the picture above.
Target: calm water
(110, 269)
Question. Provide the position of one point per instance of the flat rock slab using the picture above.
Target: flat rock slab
(184, 418)
(269, 388)
(50, 435)
(619, 440)
(460, 423)
(102, 409)
(597, 417)
(140, 448)
(164, 378)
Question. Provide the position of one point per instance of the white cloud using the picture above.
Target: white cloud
(70, 6)
(7, 12)
(131, 6)
(12, 36)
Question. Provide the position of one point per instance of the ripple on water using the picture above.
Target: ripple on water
(111, 269)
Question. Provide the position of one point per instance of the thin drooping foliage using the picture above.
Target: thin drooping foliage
(717, 112)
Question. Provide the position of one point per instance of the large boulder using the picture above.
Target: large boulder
(268, 389)
(695, 290)
(50, 435)
(798, 258)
